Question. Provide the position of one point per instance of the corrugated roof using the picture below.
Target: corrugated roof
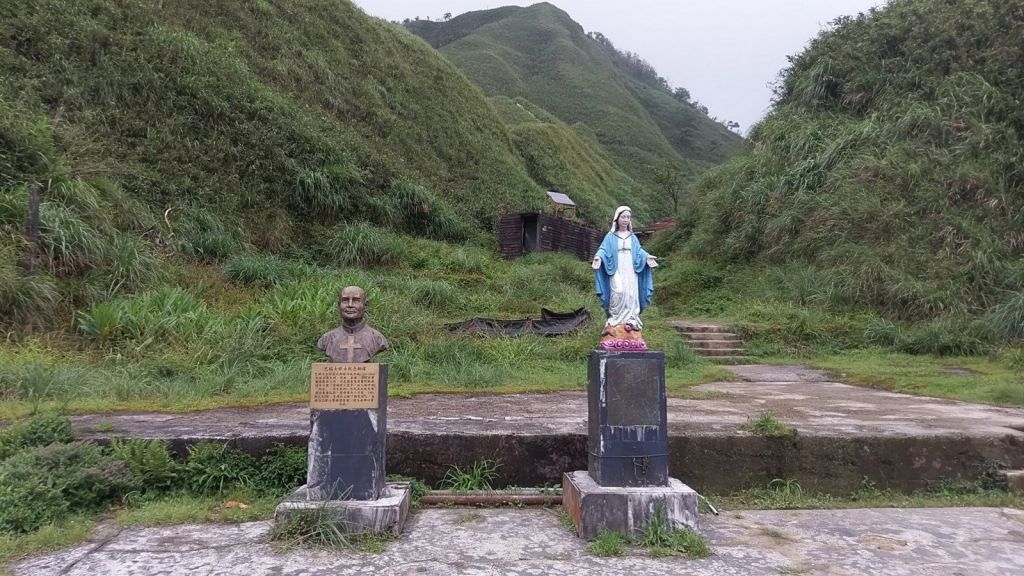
(559, 198)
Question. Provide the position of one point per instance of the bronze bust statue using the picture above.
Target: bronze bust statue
(353, 341)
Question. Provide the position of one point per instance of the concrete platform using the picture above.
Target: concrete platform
(948, 542)
(845, 433)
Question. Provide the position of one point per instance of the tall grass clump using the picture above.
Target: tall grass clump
(256, 268)
(26, 300)
(361, 244)
(1008, 318)
(204, 235)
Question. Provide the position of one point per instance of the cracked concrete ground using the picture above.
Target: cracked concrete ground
(801, 397)
(894, 542)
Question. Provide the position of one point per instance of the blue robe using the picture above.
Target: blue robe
(609, 255)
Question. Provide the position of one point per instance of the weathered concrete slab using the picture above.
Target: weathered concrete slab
(971, 541)
(385, 514)
(626, 509)
(845, 433)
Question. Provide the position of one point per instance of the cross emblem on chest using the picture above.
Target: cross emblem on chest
(350, 348)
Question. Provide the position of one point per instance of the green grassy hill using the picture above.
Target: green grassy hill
(541, 55)
(294, 112)
(212, 173)
(209, 129)
(888, 181)
(561, 157)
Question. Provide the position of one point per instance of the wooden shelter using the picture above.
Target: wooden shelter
(519, 234)
(526, 232)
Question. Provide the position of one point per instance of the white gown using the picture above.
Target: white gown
(624, 304)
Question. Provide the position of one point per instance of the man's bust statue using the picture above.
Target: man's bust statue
(353, 341)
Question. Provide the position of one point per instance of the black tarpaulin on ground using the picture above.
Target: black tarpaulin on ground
(550, 324)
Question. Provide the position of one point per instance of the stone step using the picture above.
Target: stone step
(721, 351)
(699, 327)
(731, 360)
(714, 344)
(709, 335)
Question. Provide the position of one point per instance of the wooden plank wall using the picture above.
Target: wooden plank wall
(556, 234)
(510, 236)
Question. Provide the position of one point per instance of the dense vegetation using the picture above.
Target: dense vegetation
(211, 131)
(882, 202)
(541, 55)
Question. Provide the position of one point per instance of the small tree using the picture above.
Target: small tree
(670, 181)
(447, 16)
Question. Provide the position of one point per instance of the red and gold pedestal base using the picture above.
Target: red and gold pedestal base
(622, 338)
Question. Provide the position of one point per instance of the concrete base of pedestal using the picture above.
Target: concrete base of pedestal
(628, 510)
(386, 514)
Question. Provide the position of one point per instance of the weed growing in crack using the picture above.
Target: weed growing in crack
(766, 424)
(475, 477)
(608, 544)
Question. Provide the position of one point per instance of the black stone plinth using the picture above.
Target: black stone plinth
(627, 419)
(346, 450)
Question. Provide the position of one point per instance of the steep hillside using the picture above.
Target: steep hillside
(208, 128)
(559, 157)
(890, 176)
(304, 109)
(540, 54)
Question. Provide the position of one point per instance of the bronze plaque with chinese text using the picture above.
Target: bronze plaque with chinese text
(343, 386)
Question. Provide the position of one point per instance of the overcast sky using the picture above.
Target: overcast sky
(725, 52)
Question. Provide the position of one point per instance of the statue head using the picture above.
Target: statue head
(623, 219)
(351, 304)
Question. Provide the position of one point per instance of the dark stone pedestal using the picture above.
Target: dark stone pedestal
(626, 485)
(627, 419)
(346, 450)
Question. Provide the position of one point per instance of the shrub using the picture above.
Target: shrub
(39, 485)
(281, 469)
(38, 430)
(101, 322)
(213, 467)
(150, 461)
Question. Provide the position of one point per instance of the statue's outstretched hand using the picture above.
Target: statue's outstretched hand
(596, 263)
(652, 261)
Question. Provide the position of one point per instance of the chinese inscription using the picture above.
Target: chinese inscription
(340, 386)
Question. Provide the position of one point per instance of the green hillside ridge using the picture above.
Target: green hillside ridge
(209, 130)
(211, 174)
(886, 185)
(540, 54)
(299, 111)
(559, 157)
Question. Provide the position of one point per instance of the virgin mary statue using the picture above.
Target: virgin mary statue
(624, 281)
